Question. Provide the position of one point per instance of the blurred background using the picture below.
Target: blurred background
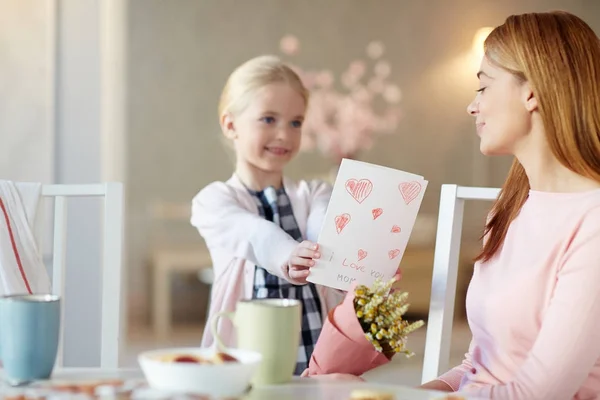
(127, 90)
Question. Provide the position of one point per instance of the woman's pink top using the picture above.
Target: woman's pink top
(534, 309)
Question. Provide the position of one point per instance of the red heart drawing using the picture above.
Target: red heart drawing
(341, 221)
(377, 212)
(359, 189)
(393, 253)
(409, 190)
(395, 229)
(362, 254)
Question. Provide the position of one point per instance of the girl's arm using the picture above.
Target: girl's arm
(320, 193)
(223, 223)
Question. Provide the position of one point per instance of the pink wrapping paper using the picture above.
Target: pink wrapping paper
(342, 346)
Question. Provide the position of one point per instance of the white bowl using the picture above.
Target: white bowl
(228, 379)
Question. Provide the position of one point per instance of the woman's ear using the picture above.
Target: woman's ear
(529, 98)
(228, 126)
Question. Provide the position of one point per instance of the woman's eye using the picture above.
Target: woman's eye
(480, 90)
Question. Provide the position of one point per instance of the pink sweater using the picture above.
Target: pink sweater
(238, 239)
(534, 309)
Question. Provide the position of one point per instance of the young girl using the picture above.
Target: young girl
(259, 226)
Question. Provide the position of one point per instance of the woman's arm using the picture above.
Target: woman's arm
(450, 381)
(568, 344)
(438, 385)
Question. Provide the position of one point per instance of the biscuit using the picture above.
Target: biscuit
(370, 394)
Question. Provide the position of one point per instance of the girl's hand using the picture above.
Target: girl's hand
(302, 259)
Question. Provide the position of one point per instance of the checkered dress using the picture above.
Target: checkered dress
(274, 205)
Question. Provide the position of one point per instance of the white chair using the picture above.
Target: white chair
(445, 270)
(111, 259)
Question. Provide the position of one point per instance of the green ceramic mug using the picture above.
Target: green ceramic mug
(271, 327)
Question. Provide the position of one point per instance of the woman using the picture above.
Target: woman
(534, 301)
(533, 304)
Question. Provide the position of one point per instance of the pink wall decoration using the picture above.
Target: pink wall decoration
(347, 111)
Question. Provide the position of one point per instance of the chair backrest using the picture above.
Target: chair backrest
(445, 271)
(112, 194)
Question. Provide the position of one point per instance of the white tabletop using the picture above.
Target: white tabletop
(315, 389)
(298, 389)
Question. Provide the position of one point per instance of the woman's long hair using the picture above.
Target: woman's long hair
(558, 54)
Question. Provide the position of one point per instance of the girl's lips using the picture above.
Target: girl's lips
(278, 151)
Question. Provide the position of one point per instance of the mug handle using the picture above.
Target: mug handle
(213, 327)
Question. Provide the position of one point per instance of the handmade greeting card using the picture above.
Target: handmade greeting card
(368, 223)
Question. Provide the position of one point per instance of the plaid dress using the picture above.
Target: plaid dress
(274, 205)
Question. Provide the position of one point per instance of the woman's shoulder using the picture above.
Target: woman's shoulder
(589, 217)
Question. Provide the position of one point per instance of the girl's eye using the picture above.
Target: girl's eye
(296, 124)
(268, 120)
(480, 90)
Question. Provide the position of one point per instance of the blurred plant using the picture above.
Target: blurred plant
(344, 117)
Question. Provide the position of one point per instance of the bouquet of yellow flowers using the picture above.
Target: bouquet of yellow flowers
(380, 312)
(365, 331)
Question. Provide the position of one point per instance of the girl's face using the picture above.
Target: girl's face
(267, 133)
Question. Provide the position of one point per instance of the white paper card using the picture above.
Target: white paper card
(367, 225)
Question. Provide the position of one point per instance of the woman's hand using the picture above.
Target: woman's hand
(332, 377)
(398, 275)
(438, 385)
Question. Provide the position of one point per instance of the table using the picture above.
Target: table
(298, 389)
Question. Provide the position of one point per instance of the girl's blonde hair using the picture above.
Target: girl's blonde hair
(252, 76)
(558, 54)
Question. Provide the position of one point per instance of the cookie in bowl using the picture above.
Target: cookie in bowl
(200, 371)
